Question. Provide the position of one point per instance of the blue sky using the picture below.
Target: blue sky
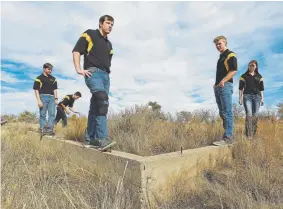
(163, 51)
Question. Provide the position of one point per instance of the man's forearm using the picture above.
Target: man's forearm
(76, 60)
(240, 94)
(55, 94)
(229, 76)
(261, 95)
(37, 96)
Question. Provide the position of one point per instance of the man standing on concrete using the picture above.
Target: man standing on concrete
(45, 88)
(223, 88)
(98, 52)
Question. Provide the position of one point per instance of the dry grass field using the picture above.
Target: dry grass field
(34, 175)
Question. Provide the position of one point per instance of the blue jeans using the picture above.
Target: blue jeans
(223, 96)
(251, 104)
(97, 124)
(48, 105)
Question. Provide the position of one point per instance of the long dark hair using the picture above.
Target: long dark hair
(255, 62)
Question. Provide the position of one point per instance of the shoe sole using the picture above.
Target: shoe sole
(108, 146)
(90, 146)
(46, 134)
(219, 144)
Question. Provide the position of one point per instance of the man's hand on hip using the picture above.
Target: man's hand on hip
(84, 73)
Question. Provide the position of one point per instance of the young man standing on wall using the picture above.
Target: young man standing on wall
(62, 108)
(45, 88)
(223, 88)
(98, 52)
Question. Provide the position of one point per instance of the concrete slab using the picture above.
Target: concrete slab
(158, 169)
(143, 175)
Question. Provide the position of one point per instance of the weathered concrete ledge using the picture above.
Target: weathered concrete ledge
(144, 174)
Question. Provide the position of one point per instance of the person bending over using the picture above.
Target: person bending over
(67, 101)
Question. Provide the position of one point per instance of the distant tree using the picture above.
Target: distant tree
(157, 113)
(154, 106)
(204, 115)
(28, 117)
(184, 116)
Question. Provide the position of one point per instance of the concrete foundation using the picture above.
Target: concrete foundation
(143, 175)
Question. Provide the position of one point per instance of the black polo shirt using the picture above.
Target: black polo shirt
(252, 84)
(45, 84)
(96, 49)
(226, 62)
(68, 100)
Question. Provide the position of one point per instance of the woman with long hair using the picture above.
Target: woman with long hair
(251, 95)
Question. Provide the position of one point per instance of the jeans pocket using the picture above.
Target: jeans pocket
(88, 79)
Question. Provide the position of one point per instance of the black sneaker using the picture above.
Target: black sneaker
(48, 132)
(94, 142)
(224, 141)
(228, 140)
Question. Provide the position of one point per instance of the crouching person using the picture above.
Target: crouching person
(62, 110)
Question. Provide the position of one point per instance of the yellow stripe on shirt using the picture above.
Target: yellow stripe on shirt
(226, 60)
(40, 83)
(90, 43)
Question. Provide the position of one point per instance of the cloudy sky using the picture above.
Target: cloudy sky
(163, 51)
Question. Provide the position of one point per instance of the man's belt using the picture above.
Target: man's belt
(95, 69)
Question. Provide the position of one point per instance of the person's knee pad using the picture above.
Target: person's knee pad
(101, 103)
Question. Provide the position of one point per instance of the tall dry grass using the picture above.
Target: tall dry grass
(36, 175)
(252, 180)
(141, 131)
(75, 130)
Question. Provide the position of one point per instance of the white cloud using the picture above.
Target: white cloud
(148, 45)
(7, 77)
(6, 88)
